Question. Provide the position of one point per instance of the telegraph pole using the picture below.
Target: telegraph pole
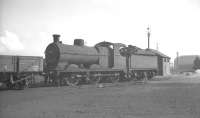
(177, 59)
(148, 36)
(157, 48)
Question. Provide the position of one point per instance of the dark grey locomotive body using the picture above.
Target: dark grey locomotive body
(104, 60)
(59, 56)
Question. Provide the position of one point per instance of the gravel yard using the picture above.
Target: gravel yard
(177, 97)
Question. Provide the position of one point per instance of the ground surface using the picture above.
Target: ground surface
(174, 97)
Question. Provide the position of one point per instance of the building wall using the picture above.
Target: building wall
(184, 63)
(166, 68)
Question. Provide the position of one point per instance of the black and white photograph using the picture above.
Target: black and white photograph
(99, 58)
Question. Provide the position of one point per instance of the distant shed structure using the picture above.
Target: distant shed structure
(163, 62)
(184, 63)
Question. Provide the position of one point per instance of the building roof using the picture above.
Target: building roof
(157, 53)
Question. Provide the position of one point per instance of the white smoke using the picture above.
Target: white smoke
(11, 41)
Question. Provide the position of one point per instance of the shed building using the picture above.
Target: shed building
(163, 62)
(184, 63)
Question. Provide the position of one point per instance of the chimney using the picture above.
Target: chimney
(79, 42)
(56, 38)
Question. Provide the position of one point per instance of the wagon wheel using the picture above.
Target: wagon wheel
(18, 86)
(72, 81)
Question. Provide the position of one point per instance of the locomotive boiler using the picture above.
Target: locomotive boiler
(59, 56)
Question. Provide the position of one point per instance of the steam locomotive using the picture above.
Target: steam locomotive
(105, 61)
(75, 64)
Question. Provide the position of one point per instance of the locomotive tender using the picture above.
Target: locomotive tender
(104, 61)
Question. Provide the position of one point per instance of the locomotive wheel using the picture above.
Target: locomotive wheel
(114, 79)
(95, 80)
(9, 85)
(63, 81)
(72, 81)
(16, 86)
(28, 83)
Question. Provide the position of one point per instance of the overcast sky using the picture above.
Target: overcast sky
(26, 26)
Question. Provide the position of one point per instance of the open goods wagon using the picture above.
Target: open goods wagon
(16, 70)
